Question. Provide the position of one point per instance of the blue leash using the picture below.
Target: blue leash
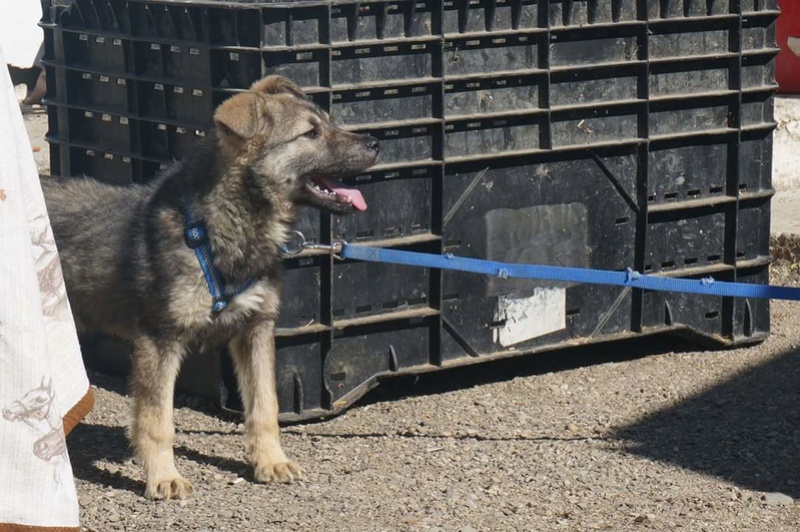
(196, 236)
(629, 278)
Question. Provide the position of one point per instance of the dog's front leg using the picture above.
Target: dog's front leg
(155, 369)
(253, 354)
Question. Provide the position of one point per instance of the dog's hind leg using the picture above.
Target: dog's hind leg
(155, 370)
(253, 354)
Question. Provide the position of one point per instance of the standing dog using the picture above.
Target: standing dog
(141, 263)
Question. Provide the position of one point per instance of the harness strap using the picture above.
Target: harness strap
(196, 236)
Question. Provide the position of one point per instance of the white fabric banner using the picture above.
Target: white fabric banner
(41, 371)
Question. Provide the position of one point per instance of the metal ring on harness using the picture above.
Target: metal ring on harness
(300, 247)
(334, 249)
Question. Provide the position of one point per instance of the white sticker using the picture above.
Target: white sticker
(794, 45)
(530, 317)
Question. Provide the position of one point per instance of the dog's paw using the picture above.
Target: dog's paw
(284, 472)
(173, 488)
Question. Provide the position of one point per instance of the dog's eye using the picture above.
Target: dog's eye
(311, 134)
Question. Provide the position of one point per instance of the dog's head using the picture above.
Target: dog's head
(292, 148)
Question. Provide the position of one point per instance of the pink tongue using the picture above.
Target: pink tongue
(355, 195)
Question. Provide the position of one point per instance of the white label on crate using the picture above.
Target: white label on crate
(197, 92)
(178, 90)
(109, 156)
(105, 117)
(158, 87)
(126, 159)
(233, 56)
(162, 127)
(86, 75)
(100, 40)
(104, 79)
(83, 37)
(122, 81)
(180, 130)
(194, 51)
(175, 49)
(88, 114)
(117, 42)
(530, 317)
(155, 46)
(123, 120)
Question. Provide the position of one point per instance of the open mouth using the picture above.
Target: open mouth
(336, 195)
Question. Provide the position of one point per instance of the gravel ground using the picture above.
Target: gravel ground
(645, 435)
(602, 438)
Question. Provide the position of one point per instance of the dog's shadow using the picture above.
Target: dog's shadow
(88, 444)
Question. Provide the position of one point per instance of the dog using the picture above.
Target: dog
(133, 270)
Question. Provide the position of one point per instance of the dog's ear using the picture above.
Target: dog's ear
(278, 85)
(238, 117)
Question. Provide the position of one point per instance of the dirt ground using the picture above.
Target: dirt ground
(678, 440)
(645, 435)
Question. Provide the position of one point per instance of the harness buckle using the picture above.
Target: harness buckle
(195, 235)
(220, 304)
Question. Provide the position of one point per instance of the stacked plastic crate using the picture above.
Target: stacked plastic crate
(595, 133)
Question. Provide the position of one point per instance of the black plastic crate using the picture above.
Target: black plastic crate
(601, 134)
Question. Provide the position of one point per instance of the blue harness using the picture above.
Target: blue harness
(196, 236)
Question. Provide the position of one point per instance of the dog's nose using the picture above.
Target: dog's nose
(373, 144)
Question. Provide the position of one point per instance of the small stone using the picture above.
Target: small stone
(487, 401)
(235, 481)
(572, 428)
(217, 476)
(84, 501)
(226, 514)
(777, 499)
(113, 518)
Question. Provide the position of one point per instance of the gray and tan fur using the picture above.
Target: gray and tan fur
(130, 274)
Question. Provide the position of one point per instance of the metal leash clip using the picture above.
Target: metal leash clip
(302, 244)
